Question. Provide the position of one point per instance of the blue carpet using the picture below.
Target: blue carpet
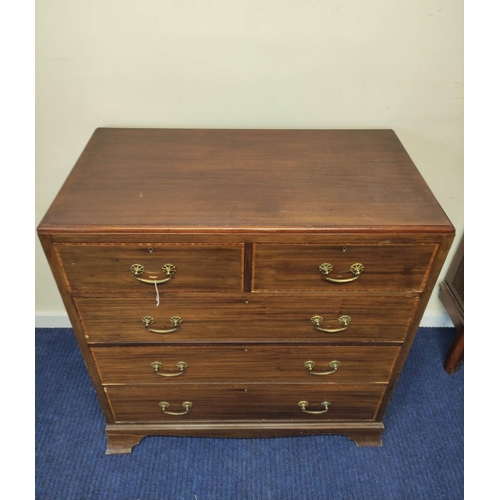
(422, 456)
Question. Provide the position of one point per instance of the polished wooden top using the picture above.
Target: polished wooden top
(244, 180)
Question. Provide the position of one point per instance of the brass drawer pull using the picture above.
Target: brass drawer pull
(138, 270)
(343, 320)
(304, 404)
(164, 405)
(149, 320)
(356, 269)
(333, 364)
(156, 365)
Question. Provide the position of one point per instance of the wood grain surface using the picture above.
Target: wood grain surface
(169, 179)
(257, 401)
(97, 268)
(386, 267)
(245, 318)
(249, 364)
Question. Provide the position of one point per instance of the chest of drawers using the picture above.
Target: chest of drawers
(244, 283)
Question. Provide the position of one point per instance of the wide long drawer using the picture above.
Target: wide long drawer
(335, 267)
(251, 363)
(244, 402)
(134, 268)
(194, 318)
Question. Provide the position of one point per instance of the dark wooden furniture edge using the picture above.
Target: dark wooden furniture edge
(256, 236)
(74, 318)
(106, 230)
(417, 318)
(455, 355)
(451, 296)
(123, 437)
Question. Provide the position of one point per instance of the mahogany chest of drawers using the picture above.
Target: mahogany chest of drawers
(244, 283)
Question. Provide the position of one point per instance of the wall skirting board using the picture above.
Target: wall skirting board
(52, 320)
(58, 320)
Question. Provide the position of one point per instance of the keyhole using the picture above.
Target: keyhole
(344, 249)
(150, 249)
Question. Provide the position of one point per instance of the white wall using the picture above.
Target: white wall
(256, 63)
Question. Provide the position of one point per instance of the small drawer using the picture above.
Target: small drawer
(251, 363)
(241, 318)
(337, 268)
(299, 402)
(136, 268)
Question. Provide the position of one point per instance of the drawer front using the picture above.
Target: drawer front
(306, 364)
(246, 318)
(107, 268)
(384, 267)
(244, 402)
